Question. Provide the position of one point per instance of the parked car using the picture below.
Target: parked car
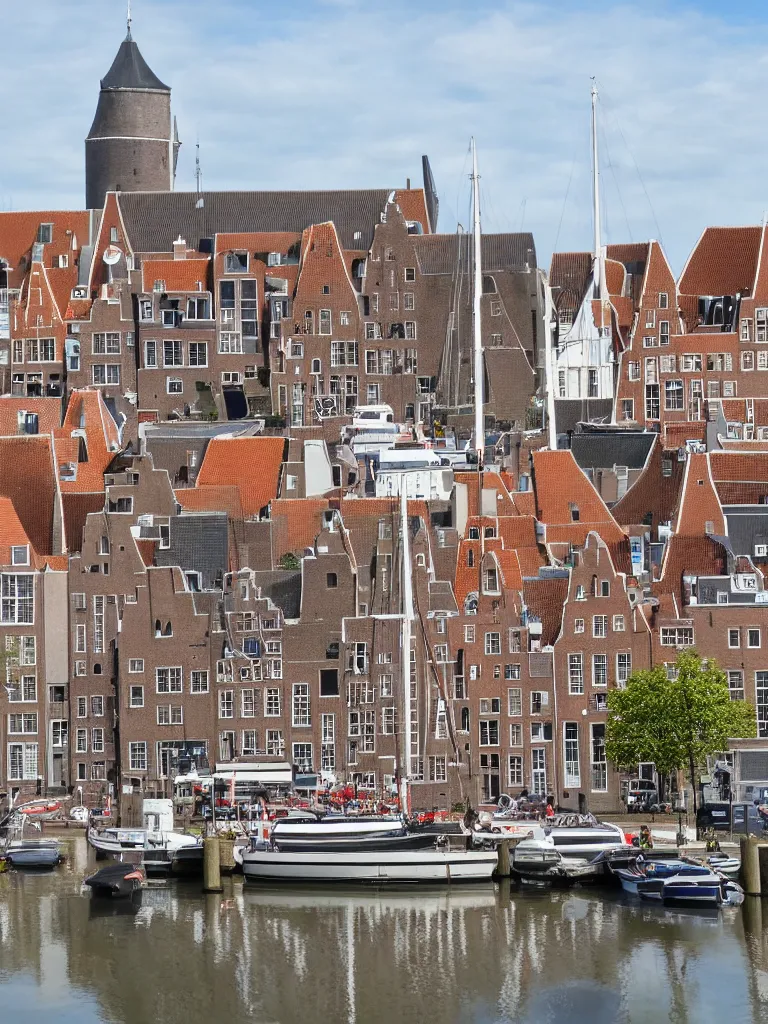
(642, 796)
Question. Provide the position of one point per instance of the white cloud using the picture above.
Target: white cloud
(342, 93)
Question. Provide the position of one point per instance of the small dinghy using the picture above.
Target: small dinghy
(116, 881)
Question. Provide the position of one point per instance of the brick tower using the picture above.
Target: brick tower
(130, 146)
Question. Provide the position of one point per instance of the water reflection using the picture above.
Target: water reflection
(365, 957)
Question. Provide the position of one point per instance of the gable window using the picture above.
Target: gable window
(663, 300)
(235, 262)
(575, 674)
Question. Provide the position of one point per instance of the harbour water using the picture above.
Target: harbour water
(480, 954)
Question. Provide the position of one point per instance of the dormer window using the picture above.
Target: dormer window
(235, 262)
(491, 580)
(474, 533)
(159, 285)
(45, 234)
(20, 554)
(113, 235)
(574, 512)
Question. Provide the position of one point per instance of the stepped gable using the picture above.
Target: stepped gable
(723, 262)
(154, 219)
(252, 464)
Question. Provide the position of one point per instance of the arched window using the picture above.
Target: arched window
(421, 560)
(97, 669)
(470, 558)
(594, 590)
(465, 719)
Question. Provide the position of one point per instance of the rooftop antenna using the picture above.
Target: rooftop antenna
(129, 19)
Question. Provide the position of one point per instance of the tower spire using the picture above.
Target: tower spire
(128, 20)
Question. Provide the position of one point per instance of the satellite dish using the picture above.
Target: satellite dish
(112, 255)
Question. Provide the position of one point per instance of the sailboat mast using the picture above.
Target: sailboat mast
(476, 323)
(405, 640)
(549, 369)
(598, 252)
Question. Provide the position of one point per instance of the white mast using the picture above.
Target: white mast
(598, 252)
(405, 640)
(476, 324)
(549, 368)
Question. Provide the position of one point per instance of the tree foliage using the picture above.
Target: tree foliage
(677, 722)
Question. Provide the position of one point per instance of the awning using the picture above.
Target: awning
(278, 773)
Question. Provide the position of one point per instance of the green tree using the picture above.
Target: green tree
(677, 722)
(289, 561)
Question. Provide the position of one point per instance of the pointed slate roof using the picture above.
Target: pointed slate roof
(130, 71)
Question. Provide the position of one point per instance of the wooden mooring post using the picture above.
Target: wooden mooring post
(503, 868)
(211, 865)
(750, 866)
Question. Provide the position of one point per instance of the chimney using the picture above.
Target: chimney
(180, 249)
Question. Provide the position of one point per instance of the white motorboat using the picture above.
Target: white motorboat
(158, 850)
(157, 842)
(573, 835)
(439, 864)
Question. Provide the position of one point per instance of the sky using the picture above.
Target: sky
(350, 93)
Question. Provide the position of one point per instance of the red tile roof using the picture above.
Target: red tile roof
(76, 508)
(699, 503)
(413, 206)
(560, 487)
(27, 479)
(252, 464)
(188, 275)
(86, 411)
(724, 262)
(11, 531)
(695, 556)
(296, 524)
(48, 413)
(18, 232)
(225, 498)
(652, 494)
(678, 432)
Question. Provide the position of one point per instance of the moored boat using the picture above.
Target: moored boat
(116, 881)
(438, 864)
(157, 849)
(540, 861)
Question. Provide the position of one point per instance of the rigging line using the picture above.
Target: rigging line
(616, 183)
(565, 200)
(637, 169)
(462, 178)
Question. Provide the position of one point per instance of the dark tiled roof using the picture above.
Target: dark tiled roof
(746, 528)
(569, 412)
(130, 71)
(198, 543)
(545, 599)
(75, 508)
(570, 272)
(438, 254)
(154, 219)
(600, 450)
